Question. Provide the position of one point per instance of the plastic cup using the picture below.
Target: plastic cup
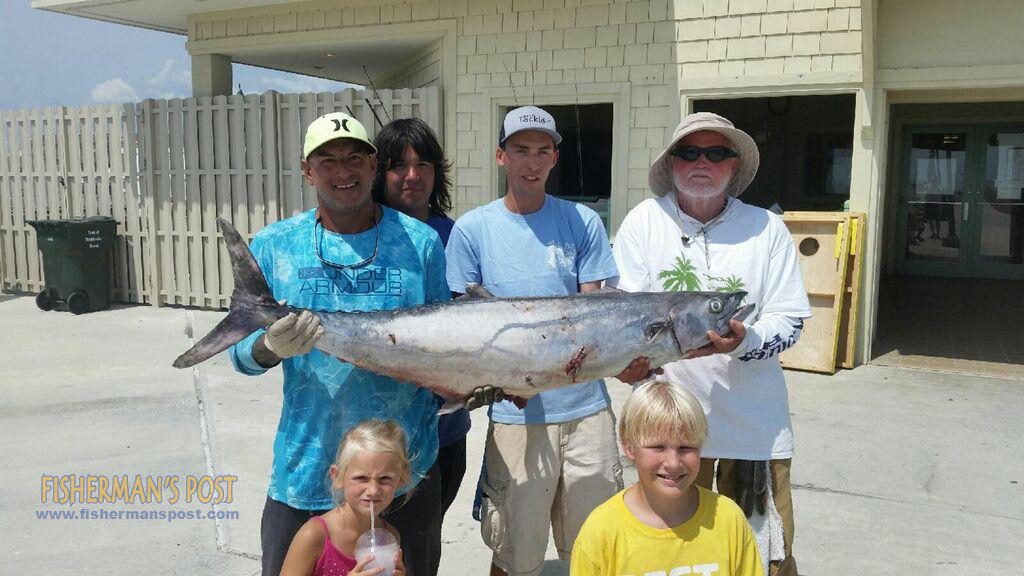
(382, 545)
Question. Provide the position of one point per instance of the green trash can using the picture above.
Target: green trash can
(76, 262)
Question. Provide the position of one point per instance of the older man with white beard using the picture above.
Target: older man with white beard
(696, 235)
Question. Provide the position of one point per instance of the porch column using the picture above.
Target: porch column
(211, 75)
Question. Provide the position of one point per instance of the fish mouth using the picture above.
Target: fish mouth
(743, 312)
(739, 313)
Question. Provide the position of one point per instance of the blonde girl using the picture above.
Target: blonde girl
(370, 467)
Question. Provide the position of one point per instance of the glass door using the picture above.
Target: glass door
(999, 204)
(962, 201)
(933, 201)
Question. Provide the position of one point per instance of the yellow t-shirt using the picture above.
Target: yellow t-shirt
(716, 541)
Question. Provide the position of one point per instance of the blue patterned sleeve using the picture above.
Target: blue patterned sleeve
(769, 337)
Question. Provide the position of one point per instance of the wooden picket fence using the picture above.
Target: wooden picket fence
(166, 170)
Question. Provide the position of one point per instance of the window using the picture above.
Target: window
(806, 148)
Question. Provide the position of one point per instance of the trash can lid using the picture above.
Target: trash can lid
(72, 221)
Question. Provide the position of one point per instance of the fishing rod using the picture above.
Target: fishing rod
(579, 135)
(374, 111)
(512, 84)
(353, 114)
(377, 95)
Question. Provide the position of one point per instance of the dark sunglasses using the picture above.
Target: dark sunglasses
(714, 154)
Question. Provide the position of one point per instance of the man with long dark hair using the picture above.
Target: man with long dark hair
(412, 173)
(412, 177)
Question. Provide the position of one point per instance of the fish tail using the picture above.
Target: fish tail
(252, 305)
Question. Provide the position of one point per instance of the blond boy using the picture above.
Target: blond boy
(665, 524)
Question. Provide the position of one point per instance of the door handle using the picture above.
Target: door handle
(967, 210)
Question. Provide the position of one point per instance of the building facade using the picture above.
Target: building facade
(910, 111)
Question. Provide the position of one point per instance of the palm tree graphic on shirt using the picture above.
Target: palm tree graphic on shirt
(731, 283)
(683, 276)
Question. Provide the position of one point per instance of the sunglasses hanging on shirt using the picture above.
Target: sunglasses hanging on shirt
(318, 240)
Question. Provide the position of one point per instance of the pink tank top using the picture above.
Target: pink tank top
(332, 562)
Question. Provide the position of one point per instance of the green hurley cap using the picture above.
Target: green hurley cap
(333, 126)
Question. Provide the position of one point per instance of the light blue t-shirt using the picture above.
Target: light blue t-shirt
(323, 396)
(547, 253)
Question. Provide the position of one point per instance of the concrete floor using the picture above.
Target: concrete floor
(898, 471)
(963, 325)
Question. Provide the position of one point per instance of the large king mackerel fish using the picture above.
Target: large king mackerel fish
(522, 345)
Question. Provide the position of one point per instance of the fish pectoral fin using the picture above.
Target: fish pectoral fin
(451, 405)
(654, 329)
(474, 290)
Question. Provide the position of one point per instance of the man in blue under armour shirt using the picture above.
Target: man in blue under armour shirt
(348, 254)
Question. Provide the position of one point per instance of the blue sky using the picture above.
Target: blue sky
(49, 59)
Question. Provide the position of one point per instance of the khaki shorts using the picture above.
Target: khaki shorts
(545, 473)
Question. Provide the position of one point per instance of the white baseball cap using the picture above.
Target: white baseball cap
(528, 118)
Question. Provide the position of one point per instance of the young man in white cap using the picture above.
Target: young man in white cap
(349, 254)
(554, 460)
(696, 235)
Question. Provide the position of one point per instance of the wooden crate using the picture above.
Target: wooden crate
(847, 344)
(822, 240)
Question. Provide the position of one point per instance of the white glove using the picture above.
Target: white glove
(293, 335)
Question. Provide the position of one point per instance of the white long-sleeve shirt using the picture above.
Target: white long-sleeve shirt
(744, 395)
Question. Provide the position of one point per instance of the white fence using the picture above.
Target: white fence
(166, 170)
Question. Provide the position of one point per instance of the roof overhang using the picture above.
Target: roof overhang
(164, 15)
(324, 54)
(332, 58)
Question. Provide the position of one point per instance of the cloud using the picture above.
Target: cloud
(172, 81)
(113, 91)
(171, 73)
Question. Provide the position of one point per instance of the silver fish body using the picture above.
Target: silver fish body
(526, 345)
(523, 345)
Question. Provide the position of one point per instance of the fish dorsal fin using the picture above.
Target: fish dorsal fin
(474, 290)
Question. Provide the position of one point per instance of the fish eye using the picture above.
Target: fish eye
(715, 305)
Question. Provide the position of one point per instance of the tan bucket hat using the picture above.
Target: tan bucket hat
(660, 175)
